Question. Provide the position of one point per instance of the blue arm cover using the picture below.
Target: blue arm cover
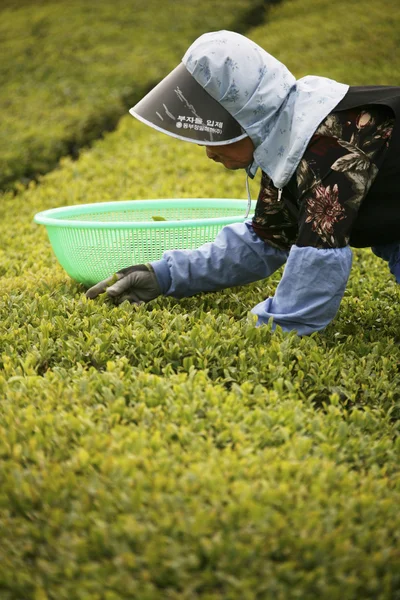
(310, 291)
(237, 256)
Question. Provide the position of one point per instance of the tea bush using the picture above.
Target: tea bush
(354, 42)
(173, 450)
(69, 69)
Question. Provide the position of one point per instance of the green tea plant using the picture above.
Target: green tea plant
(70, 69)
(350, 41)
(173, 450)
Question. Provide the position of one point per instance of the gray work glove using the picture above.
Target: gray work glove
(137, 284)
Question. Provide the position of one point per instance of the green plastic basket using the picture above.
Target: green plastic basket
(92, 241)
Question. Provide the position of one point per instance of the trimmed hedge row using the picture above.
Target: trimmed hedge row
(173, 450)
(70, 69)
(122, 484)
(354, 42)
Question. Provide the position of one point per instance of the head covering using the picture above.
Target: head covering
(278, 113)
(180, 107)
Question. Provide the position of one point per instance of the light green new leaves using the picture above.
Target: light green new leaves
(174, 450)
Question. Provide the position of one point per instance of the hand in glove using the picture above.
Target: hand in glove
(137, 284)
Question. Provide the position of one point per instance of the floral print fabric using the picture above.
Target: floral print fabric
(319, 206)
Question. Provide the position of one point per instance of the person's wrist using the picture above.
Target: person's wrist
(162, 274)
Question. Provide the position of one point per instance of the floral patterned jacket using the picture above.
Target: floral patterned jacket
(345, 192)
(320, 205)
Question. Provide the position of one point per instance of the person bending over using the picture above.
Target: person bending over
(329, 156)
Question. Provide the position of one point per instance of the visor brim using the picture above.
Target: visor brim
(181, 108)
(185, 138)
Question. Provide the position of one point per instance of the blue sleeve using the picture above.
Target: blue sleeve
(309, 294)
(237, 256)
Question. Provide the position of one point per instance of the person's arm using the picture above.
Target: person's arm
(337, 170)
(237, 256)
(309, 294)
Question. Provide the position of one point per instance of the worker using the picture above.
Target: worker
(328, 155)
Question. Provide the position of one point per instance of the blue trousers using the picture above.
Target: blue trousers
(390, 253)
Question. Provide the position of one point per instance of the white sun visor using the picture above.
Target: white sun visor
(180, 107)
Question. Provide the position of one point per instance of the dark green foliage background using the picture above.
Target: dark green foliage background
(70, 69)
(173, 450)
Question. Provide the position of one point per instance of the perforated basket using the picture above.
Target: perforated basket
(92, 241)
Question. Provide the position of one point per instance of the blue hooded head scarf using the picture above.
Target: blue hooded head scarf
(279, 113)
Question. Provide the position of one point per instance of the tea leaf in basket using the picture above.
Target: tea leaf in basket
(157, 218)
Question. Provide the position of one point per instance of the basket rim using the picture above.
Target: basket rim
(53, 217)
